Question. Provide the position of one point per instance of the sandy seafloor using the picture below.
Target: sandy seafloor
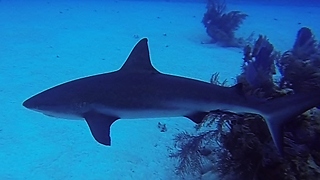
(44, 43)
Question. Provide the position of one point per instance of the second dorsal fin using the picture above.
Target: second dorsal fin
(139, 59)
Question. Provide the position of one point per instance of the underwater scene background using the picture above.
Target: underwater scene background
(271, 47)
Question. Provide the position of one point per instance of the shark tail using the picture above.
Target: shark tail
(279, 111)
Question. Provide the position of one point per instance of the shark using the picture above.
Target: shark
(139, 90)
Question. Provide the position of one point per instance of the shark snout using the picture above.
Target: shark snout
(40, 101)
(29, 103)
(35, 102)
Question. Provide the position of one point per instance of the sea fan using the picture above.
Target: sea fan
(221, 26)
(300, 66)
(305, 44)
(259, 67)
(189, 152)
(240, 144)
(242, 148)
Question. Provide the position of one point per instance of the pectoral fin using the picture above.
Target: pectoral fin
(197, 117)
(99, 125)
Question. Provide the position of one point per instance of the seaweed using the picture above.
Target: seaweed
(239, 146)
(221, 26)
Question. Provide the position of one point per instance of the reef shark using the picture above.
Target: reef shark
(138, 90)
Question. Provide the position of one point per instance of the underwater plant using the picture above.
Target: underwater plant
(221, 26)
(239, 146)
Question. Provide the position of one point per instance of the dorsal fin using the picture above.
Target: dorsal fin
(139, 59)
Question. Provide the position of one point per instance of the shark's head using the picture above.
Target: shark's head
(56, 104)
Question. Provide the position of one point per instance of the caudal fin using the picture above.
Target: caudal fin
(280, 111)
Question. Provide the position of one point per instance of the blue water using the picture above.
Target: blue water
(45, 43)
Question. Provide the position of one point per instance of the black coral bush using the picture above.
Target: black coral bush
(300, 66)
(221, 26)
(239, 146)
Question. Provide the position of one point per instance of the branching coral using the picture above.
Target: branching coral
(258, 68)
(221, 26)
(240, 145)
(215, 80)
(300, 66)
(189, 153)
(244, 149)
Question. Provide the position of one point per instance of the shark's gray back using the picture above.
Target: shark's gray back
(138, 90)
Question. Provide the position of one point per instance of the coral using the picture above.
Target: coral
(300, 66)
(189, 156)
(239, 146)
(258, 68)
(221, 26)
(244, 148)
(215, 80)
(305, 44)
